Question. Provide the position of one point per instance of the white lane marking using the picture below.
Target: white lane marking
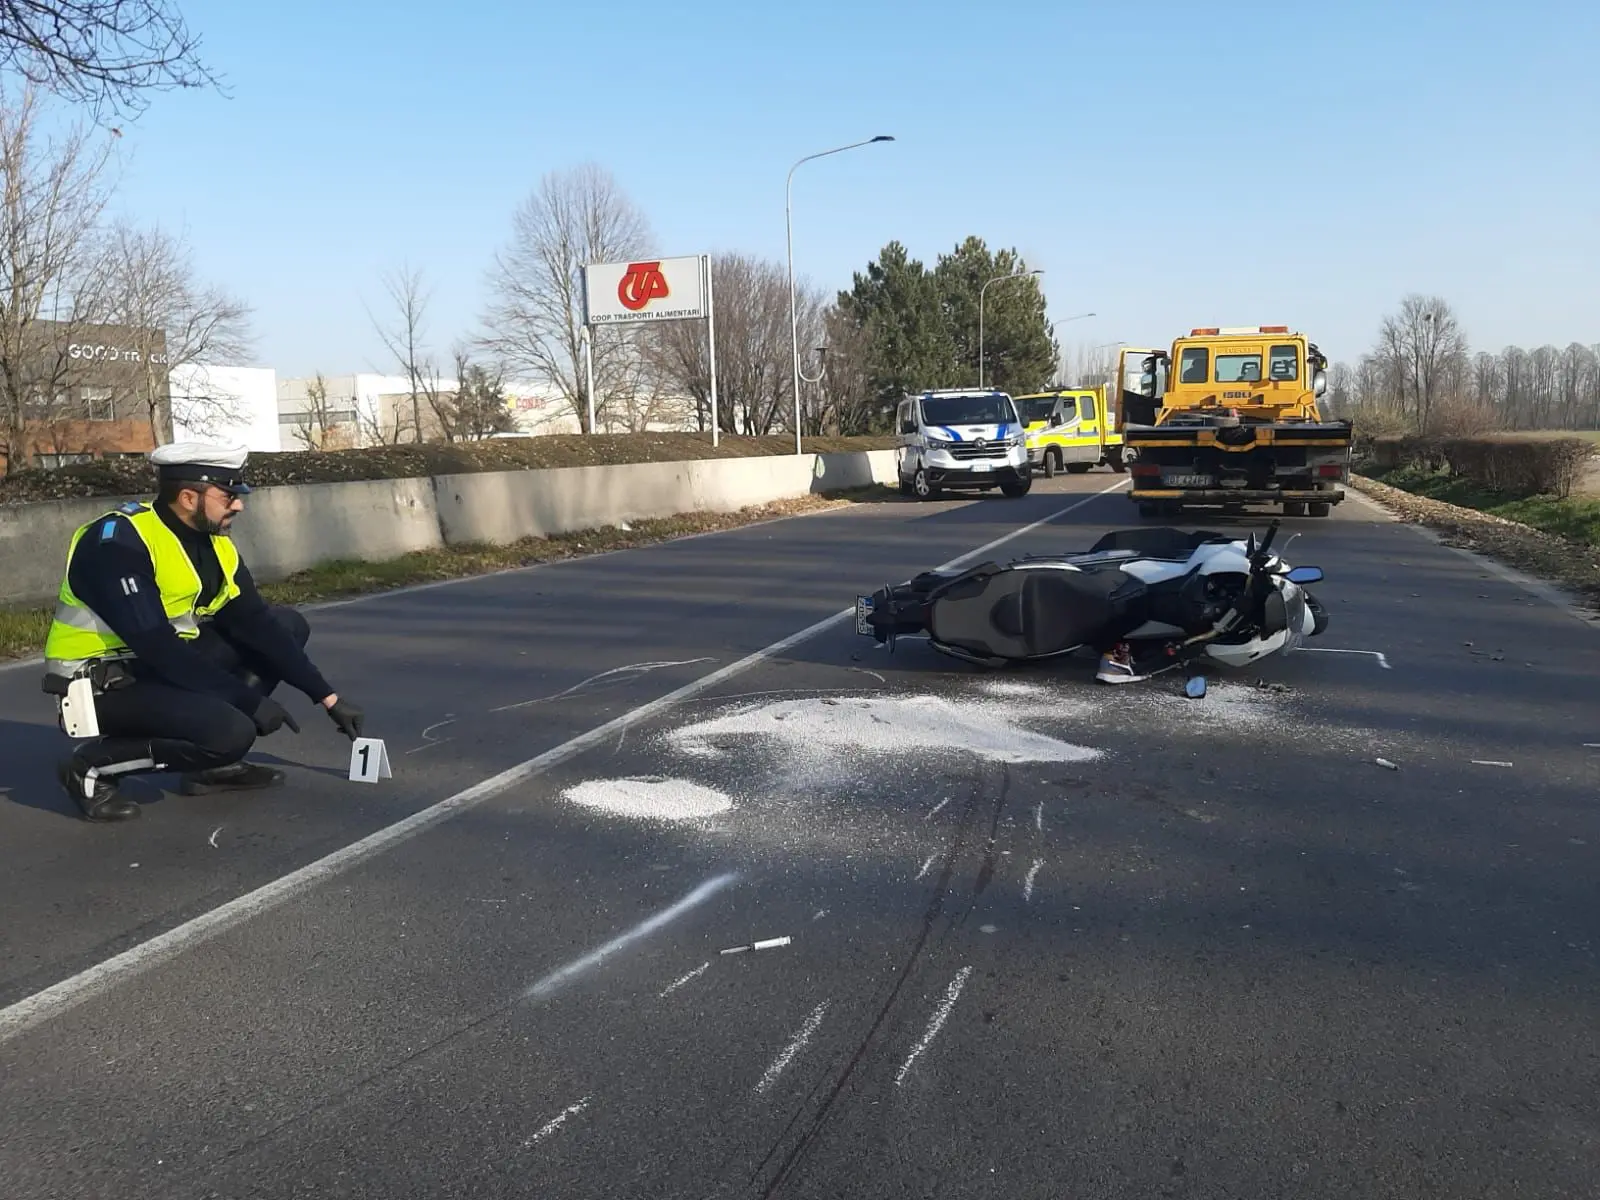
(793, 1048)
(1489, 762)
(936, 808)
(69, 992)
(643, 668)
(689, 978)
(1027, 885)
(561, 1119)
(939, 1018)
(643, 929)
(1378, 654)
(1038, 817)
(926, 865)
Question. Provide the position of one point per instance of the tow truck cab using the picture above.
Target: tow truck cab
(1070, 429)
(1230, 416)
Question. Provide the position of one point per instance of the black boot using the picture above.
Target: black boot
(102, 802)
(235, 777)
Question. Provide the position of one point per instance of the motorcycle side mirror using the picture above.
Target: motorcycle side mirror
(1195, 689)
(1303, 574)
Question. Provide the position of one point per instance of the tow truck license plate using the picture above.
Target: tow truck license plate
(863, 615)
(1187, 480)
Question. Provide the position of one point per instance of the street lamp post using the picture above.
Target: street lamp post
(981, 291)
(788, 218)
(822, 369)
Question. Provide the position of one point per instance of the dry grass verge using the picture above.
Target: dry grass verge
(1558, 560)
(22, 630)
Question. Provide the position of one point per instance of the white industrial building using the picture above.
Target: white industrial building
(230, 405)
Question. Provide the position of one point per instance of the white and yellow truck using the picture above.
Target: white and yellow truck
(1071, 429)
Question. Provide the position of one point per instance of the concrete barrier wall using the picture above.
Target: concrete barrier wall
(287, 529)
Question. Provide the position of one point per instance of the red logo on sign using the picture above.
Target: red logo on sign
(642, 283)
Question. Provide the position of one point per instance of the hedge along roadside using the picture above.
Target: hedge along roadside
(1514, 466)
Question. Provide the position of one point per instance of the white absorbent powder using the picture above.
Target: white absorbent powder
(882, 725)
(649, 798)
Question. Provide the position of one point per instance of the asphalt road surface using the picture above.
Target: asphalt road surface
(1044, 938)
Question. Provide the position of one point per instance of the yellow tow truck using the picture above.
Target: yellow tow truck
(1070, 429)
(1229, 417)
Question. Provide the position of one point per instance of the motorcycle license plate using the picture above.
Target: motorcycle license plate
(1187, 481)
(864, 616)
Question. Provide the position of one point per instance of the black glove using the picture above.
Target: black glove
(347, 717)
(270, 716)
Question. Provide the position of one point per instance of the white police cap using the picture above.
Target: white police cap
(198, 462)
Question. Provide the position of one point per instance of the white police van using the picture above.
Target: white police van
(960, 439)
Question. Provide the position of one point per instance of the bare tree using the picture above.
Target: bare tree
(403, 335)
(174, 322)
(101, 52)
(754, 362)
(314, 422)
(850, 407)
(1426, 351)
(52, 195)
(535, 315)
(477, 408)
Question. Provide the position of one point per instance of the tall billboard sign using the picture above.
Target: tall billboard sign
(657, 289)
(654, 289)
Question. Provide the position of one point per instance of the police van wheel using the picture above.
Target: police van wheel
(1020, 488)
(922, 487)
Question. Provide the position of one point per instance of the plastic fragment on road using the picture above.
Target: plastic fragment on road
(769, 944)
(1384, 762)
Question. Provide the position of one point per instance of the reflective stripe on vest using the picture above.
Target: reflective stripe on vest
(77, 635)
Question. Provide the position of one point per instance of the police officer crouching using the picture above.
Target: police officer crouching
(158, 612)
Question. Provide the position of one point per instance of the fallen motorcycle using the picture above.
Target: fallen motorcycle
(1148, 600)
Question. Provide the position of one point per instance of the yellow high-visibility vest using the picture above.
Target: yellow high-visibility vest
(78, 635)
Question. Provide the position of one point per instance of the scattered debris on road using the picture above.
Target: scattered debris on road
(769, 944)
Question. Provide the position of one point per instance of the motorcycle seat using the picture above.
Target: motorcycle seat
(1031, 612)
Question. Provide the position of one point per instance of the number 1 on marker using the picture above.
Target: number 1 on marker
(369, 761)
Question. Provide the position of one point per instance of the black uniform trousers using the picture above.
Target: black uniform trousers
(148, 725)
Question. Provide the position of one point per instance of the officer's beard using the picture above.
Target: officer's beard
(214, 528)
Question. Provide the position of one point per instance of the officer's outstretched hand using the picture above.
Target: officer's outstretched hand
(270, 716)
(347, 717)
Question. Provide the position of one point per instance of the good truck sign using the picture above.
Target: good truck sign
(655, 289)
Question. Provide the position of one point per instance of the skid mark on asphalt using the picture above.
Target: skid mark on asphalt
(644, 929)
(940, 1016)
(557, 1122)
(794, 1047)
(625, 674)
(689, 978)
(1027, 884)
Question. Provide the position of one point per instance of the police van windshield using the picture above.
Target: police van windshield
(967, 410)
(1034, 411)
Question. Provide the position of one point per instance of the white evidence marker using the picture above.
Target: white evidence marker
(369, 760)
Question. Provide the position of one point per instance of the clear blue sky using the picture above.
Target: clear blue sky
(1167, 164)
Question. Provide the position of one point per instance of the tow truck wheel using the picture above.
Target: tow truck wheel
(1078, 468)
(1052, 463)
(1294, 508)
(1114, 461)
(1320, 508)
